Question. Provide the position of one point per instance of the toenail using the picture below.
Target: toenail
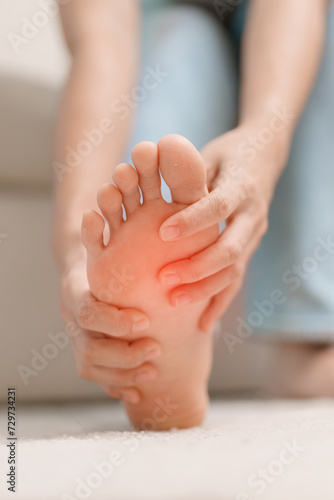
(144, 377)
(170, 233)
(140, 325)
(171, 279)
(182, 299)
(154, 353)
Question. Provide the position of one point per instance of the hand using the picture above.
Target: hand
(96, 330)
(241, 189)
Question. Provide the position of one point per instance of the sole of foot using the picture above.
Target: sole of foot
(124, 270)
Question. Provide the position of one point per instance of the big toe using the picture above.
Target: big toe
(182, 168)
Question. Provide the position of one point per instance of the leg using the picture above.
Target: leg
(303, 267)
(301, 216)
(198, 97)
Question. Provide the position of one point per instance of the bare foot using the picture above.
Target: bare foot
(304, 370)
(125, 271)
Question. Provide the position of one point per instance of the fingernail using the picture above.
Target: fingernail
(144, 377)
(130, 398)
(182, 299)
(140, 325)
(154, 353)
(171, 279)
(170, 233)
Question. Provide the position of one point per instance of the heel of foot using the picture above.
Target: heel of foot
(163, 414)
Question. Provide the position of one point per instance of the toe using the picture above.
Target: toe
(92, 232)
(110, 202)
(145, 158)
(126, 179)
(183, 169)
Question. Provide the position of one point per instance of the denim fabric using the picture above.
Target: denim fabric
(197, 98)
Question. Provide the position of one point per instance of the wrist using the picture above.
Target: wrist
(69, 253)
(268, 135)
(74, 262)
(240, 150)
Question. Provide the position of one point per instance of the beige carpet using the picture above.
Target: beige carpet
(246, 450)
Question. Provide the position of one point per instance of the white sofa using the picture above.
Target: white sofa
(63, 442)
(30, 85)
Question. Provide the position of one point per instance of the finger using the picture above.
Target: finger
(228, 249)
(221, 302)
(117, 377)
(100, 317)
(218, 306)
(112, 353)
(95, 314)
(203, 289)
(128, 394)
(210, 210)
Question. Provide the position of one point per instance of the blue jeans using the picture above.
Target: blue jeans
(195, 60)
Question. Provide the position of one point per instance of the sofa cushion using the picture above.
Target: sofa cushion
(33, 66)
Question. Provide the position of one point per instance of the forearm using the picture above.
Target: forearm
(103, 68)
(281, 52)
